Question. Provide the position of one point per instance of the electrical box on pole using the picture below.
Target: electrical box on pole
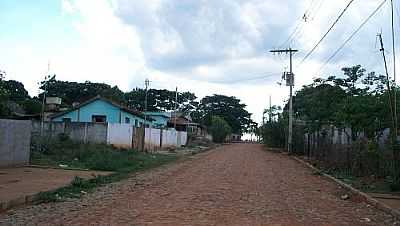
(289, 78)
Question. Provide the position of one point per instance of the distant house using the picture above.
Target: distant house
(184, 123)
(101, 110)
(160, 118)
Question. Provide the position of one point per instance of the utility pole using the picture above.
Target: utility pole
(146, 83)
(394, 119)
(176, 104)
(47, 77)
(289, 76)
(394, 71)
(394, 133)
(270, 109)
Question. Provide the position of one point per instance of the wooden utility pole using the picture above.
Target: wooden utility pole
(394, 132)
(289, 76)
(394, 71)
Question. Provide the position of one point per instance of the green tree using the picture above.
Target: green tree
(3, 96)
(15, 90)
(71, 92)
(161, 100)
(226, 107)
(219, 129)
(32, 106)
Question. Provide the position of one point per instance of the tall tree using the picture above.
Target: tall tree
(226, 107)
(15, 90)
(71, 92)
(161, 100)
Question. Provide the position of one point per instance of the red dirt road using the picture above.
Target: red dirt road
(237, 184)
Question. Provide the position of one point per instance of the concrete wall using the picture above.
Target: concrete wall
(181, 138)
(15, 140)
(152, 139)
(120, 135)
(169, 138)
(78, 131)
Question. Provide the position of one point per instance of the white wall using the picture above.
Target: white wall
(152, 138)
(181, 138)
(169, 138)
(120, 135)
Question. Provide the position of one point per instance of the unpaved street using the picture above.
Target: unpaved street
(237, 184)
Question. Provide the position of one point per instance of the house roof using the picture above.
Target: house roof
(161, 114)
(98, 97)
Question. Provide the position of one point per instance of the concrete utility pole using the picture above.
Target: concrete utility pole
(146, 83)
(176, 103)
(46, 80)
(270, 109)
(289, 76)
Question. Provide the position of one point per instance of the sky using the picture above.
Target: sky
(202, 46)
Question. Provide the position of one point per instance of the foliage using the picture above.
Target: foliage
(32, 106)
(90, 156)
(161, 100)
(3, 98)
(71, 92)
(13, 95)
(357, 104)
(15, 90)
(228, 108)
(356, 100)
(94, 157)
(157, 99)
(219, 129)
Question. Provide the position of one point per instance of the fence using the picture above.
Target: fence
(336, 150)
(120, 135)
(15, 138)
(83, 132)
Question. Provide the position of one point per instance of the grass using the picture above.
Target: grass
(122, 162)
(369, 183)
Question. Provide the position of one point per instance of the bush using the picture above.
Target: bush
(220, 129)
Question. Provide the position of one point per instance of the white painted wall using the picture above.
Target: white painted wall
(169, 138)
(181, 138)
(120, 135)
(152, 138)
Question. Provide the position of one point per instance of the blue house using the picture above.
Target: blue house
(101, 110)
(160, 118)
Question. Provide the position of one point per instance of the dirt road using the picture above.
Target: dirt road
(238, 184)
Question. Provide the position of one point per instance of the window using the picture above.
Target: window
(99, 118)
(136, 123)
(127, 120)
(66, 120)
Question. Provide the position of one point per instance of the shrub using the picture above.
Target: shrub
(220, 129)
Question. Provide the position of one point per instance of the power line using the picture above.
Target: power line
(352, 35)
(251, 79)
(311, 17)
(299, 26)
(329, 30)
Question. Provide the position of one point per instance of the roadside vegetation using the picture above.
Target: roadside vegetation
(66, 154)
(219, 129)
(344, 125)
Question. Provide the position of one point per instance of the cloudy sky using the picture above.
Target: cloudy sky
(202, 46)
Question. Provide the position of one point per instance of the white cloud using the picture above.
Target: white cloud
(204, 46)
